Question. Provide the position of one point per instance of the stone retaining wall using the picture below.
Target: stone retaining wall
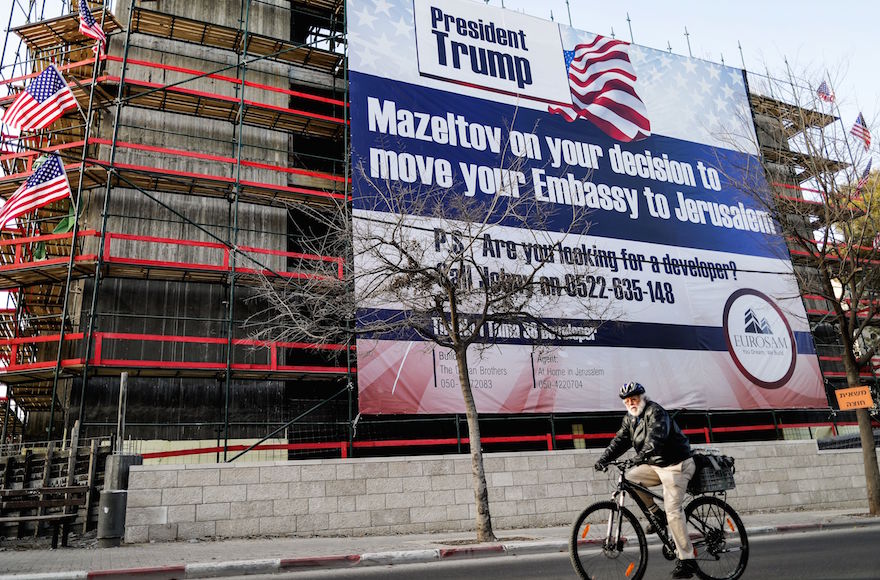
(426, 494)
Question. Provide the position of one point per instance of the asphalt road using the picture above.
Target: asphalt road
(827, 555)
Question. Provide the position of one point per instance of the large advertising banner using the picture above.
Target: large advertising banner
(702, 304)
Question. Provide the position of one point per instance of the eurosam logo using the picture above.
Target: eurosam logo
(499, 51)
(759, 338)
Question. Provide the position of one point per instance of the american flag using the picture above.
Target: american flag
(89, 27)
(42, 103)
(863, 180)
(602, 83)
(860, 131)
(47, 184)
(825, 93)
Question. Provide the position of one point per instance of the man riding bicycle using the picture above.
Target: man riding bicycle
(663, 456)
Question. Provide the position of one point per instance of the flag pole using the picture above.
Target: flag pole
(75, 100)
(81, 112)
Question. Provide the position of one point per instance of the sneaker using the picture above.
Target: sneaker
(660, 515)
(685, 569)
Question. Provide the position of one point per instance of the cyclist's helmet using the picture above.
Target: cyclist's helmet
(631, 389)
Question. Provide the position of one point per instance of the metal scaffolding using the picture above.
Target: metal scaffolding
(153, 110)
(802, 179)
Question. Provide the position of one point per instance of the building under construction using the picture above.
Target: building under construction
(200, 130)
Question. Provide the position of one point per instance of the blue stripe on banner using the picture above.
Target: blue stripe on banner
(608, 334)
(436, 119)
(804, 341)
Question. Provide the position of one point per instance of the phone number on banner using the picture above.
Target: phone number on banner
(589, 286)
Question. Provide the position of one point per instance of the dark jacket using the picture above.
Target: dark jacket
(654, 435)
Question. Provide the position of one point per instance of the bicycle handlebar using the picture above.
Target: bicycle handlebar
(622, 465)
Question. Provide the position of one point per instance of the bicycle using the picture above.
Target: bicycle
(607, 541)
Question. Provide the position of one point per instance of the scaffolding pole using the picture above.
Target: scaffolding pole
(244, 19)
(348, 265)
(5, 417)
(99, 262)
(77, 205)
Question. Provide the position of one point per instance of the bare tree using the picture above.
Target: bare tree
(830, 221)
(453, 269)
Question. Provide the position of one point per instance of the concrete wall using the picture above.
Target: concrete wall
(425, 494)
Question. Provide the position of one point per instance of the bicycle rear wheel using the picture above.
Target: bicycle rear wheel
(596, 550)
(719, 538)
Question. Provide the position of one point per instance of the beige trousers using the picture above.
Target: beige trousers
(675, 479)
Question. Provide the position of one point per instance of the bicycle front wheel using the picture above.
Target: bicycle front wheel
(608, 542)
(719, 538)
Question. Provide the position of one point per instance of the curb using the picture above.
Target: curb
(270, 566)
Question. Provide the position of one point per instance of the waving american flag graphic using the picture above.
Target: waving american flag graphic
(602, 82)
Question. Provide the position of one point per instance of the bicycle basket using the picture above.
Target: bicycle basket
(714, 473)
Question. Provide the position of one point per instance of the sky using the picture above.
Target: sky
(838, 37)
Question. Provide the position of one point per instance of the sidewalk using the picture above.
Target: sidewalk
(206, 559)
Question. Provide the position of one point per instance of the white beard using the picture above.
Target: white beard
(638, 410)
